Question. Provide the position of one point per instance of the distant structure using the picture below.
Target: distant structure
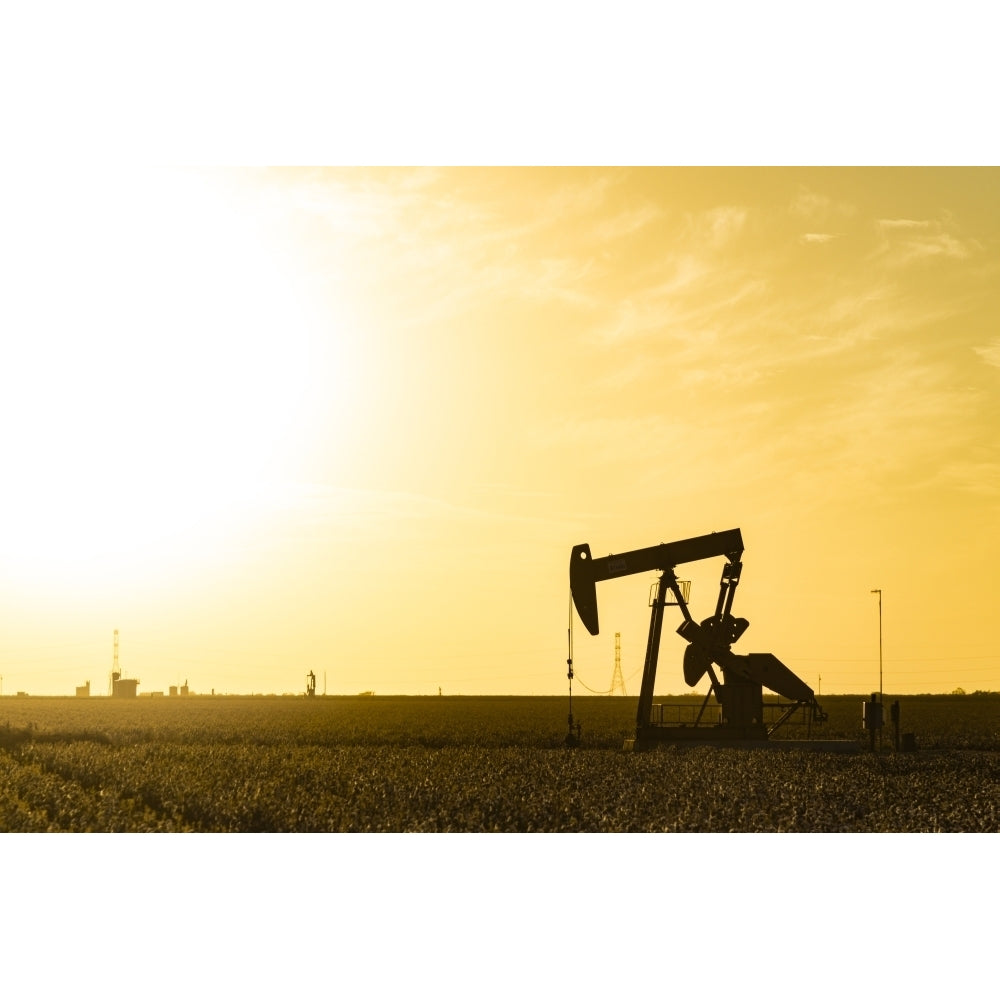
(118, 685)
(310, 685)
(617, 681)
(83, 691)
(125, 687)
(173, 690)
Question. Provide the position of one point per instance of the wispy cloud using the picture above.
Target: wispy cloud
(811, 206)
(889, 224)
(943, 245)
(719, 226)
(573, 199)
(684, 294)
(981, 478)
(904, 241)
(627, 223)
(990, 353)
(555, 279)
(899, 420)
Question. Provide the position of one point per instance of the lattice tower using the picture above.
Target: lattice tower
(617, 680)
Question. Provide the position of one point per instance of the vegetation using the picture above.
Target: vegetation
(473, 764)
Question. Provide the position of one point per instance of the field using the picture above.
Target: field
(400, 764)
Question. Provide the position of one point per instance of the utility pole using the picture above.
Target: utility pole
(878, 590)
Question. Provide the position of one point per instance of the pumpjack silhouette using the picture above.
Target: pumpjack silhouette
(739, 690)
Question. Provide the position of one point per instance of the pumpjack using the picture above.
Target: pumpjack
(740, 718)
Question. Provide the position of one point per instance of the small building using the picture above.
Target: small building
(83, 691)
(173, 690)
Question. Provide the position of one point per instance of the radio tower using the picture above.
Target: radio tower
(617, 681)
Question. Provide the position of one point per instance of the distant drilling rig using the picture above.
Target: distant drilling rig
(118, 685)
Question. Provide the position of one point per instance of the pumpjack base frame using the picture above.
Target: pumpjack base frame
(699, 734)
(730, 736)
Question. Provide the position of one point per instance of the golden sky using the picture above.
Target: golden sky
(354, 420)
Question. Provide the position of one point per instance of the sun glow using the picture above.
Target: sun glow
(160, 380)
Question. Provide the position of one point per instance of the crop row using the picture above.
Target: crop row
(938, 722)
(85, 785)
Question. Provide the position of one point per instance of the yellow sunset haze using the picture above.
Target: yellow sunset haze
(354, 420)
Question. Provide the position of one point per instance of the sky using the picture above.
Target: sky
(349, 420)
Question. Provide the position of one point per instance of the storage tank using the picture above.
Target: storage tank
(124, 687)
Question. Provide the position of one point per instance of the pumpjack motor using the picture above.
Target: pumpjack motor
(738, 692)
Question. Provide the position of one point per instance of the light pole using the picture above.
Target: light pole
(879, 592)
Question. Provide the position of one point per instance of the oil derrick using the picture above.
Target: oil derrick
(617, 681)
(116, 670)
(118, 685)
